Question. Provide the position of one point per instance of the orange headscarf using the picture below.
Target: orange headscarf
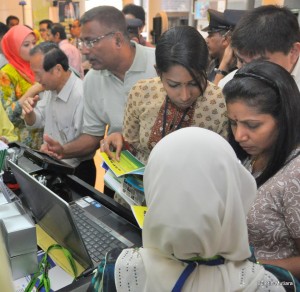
(11, 45)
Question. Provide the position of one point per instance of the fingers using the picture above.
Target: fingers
(3, 139)
(114, 140)
(29, 104)
(53, 148)
(36, 98)
(48, 139)
(104, 147)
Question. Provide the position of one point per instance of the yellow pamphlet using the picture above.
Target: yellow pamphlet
(139, 213)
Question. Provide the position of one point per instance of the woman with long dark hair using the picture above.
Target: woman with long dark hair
(263, 104)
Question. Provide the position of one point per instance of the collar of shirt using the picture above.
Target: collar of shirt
(140, 61)
(64, 94)
(296, 73)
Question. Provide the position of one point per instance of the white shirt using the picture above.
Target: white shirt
(296, 73)
(61, 114)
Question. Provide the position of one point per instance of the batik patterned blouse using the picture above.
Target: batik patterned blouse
(12, 87)
(147, 116)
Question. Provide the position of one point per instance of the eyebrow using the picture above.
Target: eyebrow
(243, 121)
(179, 82)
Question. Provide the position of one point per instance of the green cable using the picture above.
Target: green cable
(44, 266)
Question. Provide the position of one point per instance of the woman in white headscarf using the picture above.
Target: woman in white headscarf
(197, 194)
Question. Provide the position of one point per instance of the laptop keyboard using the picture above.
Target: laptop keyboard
(98, 240)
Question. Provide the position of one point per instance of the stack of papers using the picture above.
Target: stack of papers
(125, 177)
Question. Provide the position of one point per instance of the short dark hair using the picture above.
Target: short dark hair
(46, 21)
(184, 46)
(109, 16)
(11, 17)
(267, 28)
(53, 55)
(3, 29)
(136, 10)
(58, 28)
(269, 89)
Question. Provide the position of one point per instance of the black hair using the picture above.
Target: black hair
(58, 28)
(53, 55)
(269, 89)
(109, 16)
(11, 17)
(267, 28)
(46, 21)
(136, 10)
(3, 29)
(184, 46)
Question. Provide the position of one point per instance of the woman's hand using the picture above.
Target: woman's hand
(31, 92)
(4, 139)
(114, 140)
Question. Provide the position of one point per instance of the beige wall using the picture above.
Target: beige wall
(8, 7)
(275, 2)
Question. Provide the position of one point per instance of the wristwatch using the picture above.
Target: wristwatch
(219, 71)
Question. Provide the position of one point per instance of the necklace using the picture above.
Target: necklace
(252, 162)
(256, 161)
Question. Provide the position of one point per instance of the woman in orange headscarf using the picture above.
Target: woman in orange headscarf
(16, 78)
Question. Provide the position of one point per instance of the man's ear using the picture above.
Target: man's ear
(118, 39)
(295, 52)
(58, 68)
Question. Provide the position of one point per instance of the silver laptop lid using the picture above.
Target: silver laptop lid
(52, 213)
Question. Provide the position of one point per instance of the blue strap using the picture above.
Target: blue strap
(184, 275)
(218, 260)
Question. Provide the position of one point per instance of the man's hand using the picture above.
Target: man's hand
(52, 147)
(29, 104)
(116, 141)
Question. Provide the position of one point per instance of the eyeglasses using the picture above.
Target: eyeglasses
(90, 44)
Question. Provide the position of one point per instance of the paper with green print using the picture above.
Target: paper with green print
(128, 164)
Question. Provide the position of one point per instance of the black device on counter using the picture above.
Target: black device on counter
(48, 162)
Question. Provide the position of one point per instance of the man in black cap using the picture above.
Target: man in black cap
(219, 33)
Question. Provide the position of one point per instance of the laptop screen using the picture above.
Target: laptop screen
(52, 214)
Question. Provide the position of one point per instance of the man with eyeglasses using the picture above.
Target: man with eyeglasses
(44, 28)
(75, 30)
(117, 64)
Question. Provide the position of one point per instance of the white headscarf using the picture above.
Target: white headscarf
(198, 194)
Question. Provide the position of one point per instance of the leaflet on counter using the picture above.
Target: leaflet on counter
(128, 164)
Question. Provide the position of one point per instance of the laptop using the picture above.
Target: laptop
(69, 224)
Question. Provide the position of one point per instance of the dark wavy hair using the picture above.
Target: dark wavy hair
(53, 55)
(269, 89)
(185, 46)
(136, 10)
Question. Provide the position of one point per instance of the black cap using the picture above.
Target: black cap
(222, 21)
